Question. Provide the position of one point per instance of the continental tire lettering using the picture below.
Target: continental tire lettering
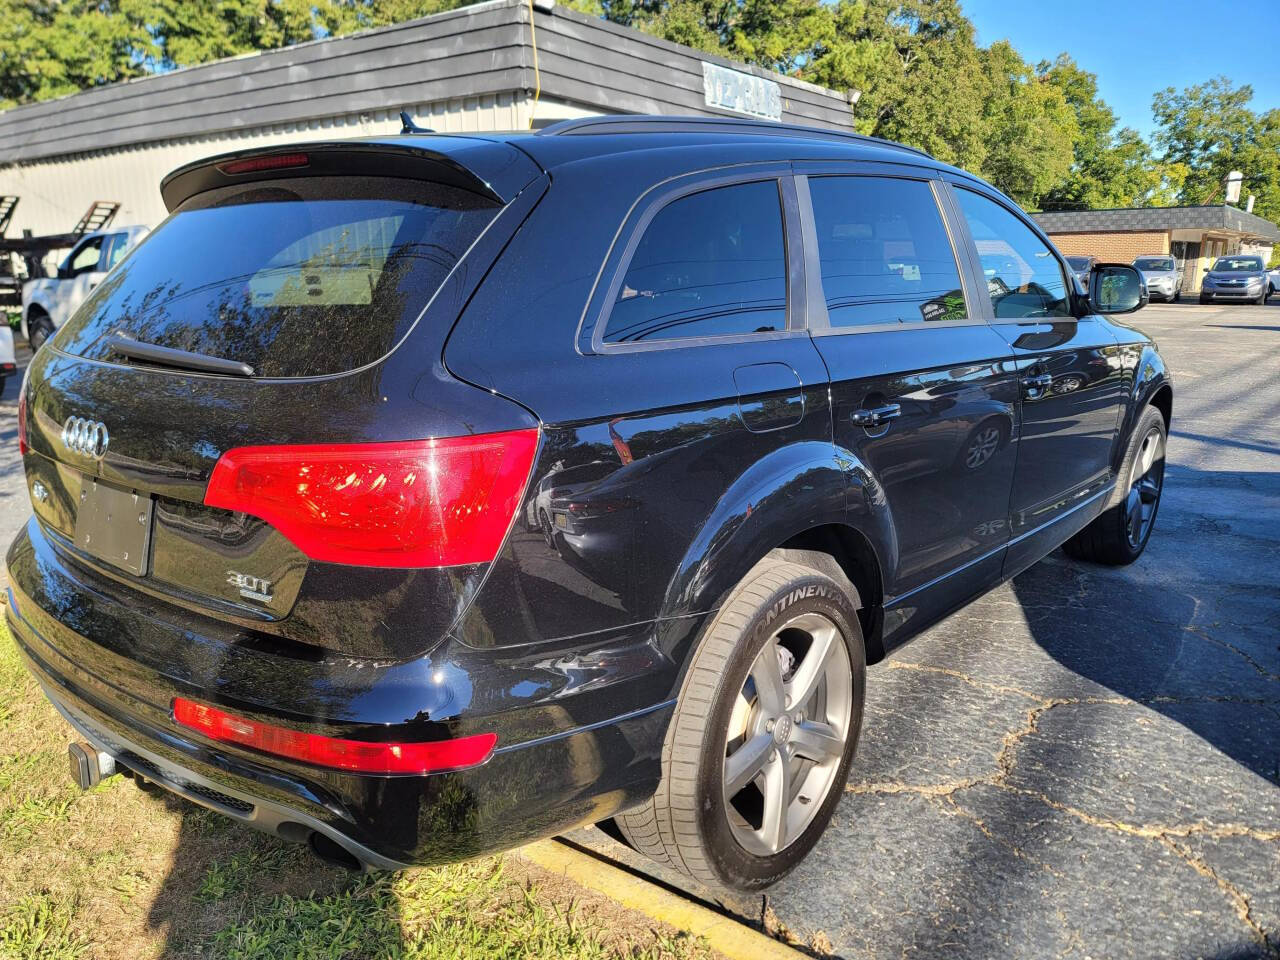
(799, 593)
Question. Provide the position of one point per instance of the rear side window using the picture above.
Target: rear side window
(1023, 276)
(710, 264)
(886, 256)
(298, 277)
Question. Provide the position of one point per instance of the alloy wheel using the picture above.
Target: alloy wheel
(1144, 488)
(787, 734)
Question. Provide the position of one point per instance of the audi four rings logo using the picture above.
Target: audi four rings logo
(88, 437)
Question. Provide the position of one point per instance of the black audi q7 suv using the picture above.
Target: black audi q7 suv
(787, 398)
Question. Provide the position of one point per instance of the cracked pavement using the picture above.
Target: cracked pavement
(1085, 762)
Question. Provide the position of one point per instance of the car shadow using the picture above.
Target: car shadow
(232, 891)
(1193, 623)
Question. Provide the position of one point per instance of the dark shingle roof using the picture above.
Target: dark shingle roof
(1216, 217)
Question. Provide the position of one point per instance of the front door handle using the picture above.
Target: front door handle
(876, 415)
(1040, 381)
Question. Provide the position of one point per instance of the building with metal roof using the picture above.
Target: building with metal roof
(493, 66)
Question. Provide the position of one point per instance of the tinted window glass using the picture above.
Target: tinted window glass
(1153, 263)
(297, 277)
(709, 264)
(1023, 275)
(1078, 263)
(885, 254)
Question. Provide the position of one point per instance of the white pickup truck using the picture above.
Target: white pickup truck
(47, 302)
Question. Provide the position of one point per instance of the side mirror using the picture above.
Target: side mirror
(1116, 288)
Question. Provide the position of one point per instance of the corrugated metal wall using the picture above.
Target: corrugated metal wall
(462, 71)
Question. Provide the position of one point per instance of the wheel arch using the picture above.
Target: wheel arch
(796, 500)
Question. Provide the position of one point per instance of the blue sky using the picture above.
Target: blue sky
(1138, 48)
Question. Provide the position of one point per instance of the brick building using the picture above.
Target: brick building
(1195, 236)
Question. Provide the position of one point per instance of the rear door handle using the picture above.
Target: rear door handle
(876, 415)
(1041, 381)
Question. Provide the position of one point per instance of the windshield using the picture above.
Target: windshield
(1078, 263)
(297, 277)
(1237, 265)
(1154, 263)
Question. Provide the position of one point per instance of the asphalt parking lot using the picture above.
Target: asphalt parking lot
(1086, 762)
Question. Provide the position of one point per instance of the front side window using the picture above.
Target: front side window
(884, 251)
(1023, 276)
(710, 264)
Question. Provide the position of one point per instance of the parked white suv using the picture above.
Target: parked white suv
(47, 302)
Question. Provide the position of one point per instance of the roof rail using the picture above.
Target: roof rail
(634, 123)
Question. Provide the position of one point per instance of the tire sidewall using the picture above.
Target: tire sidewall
(1150, 417)
(814, 593)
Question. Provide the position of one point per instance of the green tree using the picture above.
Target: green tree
(1031, 129)
(50, 49)
(1109, 168)
(1210, 130)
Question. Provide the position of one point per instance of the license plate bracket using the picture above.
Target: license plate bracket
(114, 525)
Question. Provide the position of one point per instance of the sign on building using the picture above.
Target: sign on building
(741, 92)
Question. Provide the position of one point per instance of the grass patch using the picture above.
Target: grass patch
(40, 927)
(118, 874)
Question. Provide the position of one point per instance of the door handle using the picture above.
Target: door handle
(876, 415)
(1040, 381)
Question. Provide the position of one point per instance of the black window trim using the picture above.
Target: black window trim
(1078, 298)
(590, 337)
(820, 322)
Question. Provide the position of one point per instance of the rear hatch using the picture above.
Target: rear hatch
(249, 417)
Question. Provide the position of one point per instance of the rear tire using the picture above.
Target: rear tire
(1120, 534)
(787, 631)
(39, 329)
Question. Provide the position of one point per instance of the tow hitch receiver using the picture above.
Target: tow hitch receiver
(89, 767)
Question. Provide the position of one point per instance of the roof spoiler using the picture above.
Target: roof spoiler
(492, 170)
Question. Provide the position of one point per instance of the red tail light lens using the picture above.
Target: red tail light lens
(424, 503)
(22, 418)
(359, 755)
(272, 161)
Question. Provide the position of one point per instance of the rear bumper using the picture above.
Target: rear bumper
(111, 664)
(290, 823)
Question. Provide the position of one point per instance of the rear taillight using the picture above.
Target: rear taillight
(361, 756)
(22, 418)
(422, 503)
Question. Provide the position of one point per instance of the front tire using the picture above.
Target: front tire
(758, 750)
(1120, 534)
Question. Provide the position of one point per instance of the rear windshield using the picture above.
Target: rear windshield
(1153, 263)
(1237, 265)
(300, 277)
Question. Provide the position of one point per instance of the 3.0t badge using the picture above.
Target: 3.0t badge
(251, 588)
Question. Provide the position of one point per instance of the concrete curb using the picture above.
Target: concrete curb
(724, 935)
